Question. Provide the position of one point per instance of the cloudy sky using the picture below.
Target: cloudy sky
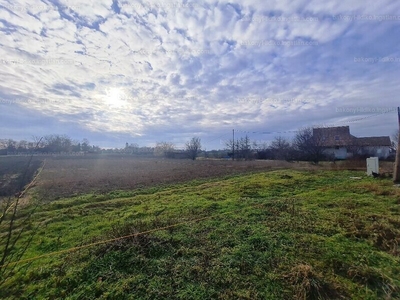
(117, 71)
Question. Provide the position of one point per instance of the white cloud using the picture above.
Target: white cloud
(179, 68)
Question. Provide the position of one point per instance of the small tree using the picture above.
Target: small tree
(162, 148)
(22, 146)
(262, 149)
(57, 143)
(280, 148)
(85, 145)
(193, 147)
(240, 148)
(76, 146)
(230, 147)
(245, 147)
(309, 144)
(11, 145)
(37, 143)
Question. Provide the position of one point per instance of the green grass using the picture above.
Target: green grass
(278, 235)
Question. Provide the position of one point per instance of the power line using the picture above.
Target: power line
(321, 125)
(214, 139)
(117, 239)
(266, 132)
(360, 119)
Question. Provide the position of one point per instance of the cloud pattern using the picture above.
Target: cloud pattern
(144, 71)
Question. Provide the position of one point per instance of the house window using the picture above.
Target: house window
(337, 137)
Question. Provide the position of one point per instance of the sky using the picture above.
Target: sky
(116, 71)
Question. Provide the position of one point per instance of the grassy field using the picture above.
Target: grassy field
(282, 234)
(66, 176)
(70, 176)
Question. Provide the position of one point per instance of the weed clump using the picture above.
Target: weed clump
(375, 280)
(309, 284)
(387, 238)
(124, 237)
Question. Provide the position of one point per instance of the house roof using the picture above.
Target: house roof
(374, 141)
(340, 136)
(333, 136)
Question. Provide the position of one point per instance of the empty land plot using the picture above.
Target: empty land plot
(283, 234)
(66, 176)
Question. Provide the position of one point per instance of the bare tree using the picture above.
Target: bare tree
(162, 148)
(263, 150)
(132, 148)
(230, 146)
(11, 145)
(57, 143)
(261, 145)
(193, 147)
(242, 147)
(245, 147)
(14, 222)
(395, 139)
(37, 143)
(85, 145)
(310, 145)
(280, 148)
(22, 145)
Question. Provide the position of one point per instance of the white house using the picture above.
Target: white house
(339, 143)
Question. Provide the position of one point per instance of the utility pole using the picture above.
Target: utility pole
(233, 144)
(396, 174)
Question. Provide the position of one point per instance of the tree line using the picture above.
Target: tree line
(56, 143)
(306, 145)
(303, 147)
(53, 143)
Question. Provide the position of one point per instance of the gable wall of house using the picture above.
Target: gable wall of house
(340, 153)
(339, 142)
(381, 152)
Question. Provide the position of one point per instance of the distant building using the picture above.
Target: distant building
(339, 143)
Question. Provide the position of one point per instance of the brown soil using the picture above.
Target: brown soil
(63, 177)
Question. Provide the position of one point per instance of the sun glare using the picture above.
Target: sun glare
(115, 98)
